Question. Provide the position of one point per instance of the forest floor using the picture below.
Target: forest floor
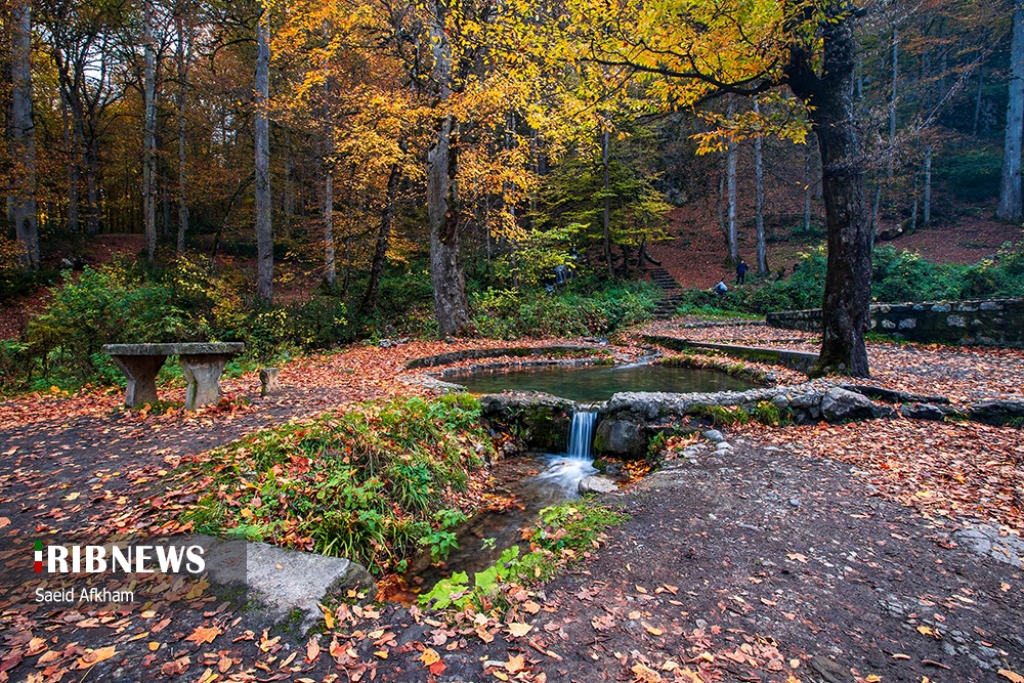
(695, 256)
(874, 551)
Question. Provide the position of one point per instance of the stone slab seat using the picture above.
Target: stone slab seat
(201, 362)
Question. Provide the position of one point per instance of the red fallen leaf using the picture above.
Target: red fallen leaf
(175, 668)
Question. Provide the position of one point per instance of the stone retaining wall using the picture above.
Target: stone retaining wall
(993, 322)
(801, 361)
(519, 351)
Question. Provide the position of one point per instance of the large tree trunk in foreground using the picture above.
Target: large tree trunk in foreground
(450, 302)
(22, 137)
(1009, 208)
(264, 229)
(845, 314)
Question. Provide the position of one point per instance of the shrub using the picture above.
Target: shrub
(582, 308)
(372, 483)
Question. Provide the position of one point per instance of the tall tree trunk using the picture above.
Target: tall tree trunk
(606, 216)
(183, 56)
(264, 228)
(731, 156)
(721, 203)
(892, 102)
(977, 102)
(22, 138)
(845, 309)
(380, 251)
(92, 187)
(149, 137)
(1009, 208)
(927, 185)
(73, 152)
(288, 196)
(807, 190)
(450, 302)
(762, 255)
(330, 268)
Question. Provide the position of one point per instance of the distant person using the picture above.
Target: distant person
(721, 288)
(741, 272)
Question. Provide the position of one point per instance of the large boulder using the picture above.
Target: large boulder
(839, 405)
(621, 438)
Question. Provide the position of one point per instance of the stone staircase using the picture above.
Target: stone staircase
(672, 294)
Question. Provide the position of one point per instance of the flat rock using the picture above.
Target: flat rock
(283, 581)
(595, 483)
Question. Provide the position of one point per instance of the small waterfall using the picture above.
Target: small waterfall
(581, 434)
(563, 474)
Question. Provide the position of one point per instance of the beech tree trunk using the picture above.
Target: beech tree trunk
(21, 204)
(732, 155)
(149, 134)
(1009, 208)
(845, 309)
(927, 185)
(606, 219)
(330, 267)
(450, 302)
(380, 251)
(807, 190)
(72, 149)
(762, 255)
(264, 228)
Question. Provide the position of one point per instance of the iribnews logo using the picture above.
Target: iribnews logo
(135, 559)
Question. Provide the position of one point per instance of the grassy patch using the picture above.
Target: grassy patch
(371, 484)
(564, 534)
(721, 416)
(767, 413)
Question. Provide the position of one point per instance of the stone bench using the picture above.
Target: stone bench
(201, 362)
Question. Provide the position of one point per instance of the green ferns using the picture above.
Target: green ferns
(372, 483)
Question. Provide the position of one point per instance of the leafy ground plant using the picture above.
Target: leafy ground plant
(564, 534)
(371, 483)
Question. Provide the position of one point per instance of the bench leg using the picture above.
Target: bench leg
(141, 373)
(203, 375)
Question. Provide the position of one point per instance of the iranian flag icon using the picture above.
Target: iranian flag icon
(39, 557)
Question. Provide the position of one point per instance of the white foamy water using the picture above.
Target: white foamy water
(562, 477)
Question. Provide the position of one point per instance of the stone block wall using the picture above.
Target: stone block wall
(992, 322)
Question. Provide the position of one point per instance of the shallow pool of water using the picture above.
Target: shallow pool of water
(589, 384)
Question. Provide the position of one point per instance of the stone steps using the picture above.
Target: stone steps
(672, 294)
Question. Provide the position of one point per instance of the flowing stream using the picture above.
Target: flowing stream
(558, 481)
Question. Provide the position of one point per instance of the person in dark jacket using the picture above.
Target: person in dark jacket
(741, 272)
